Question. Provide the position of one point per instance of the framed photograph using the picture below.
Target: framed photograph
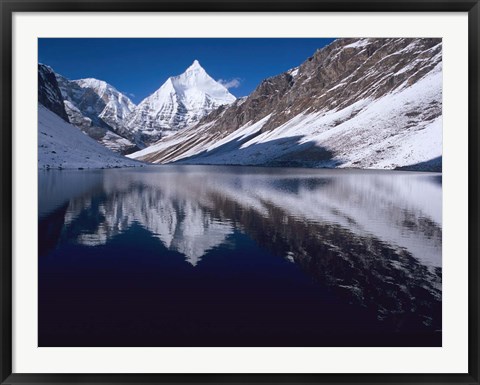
(238, 192)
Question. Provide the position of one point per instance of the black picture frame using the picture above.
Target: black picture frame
(8, 7)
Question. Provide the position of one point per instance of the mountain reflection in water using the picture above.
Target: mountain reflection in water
(234, 256)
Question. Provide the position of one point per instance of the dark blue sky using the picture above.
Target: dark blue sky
(138, 67)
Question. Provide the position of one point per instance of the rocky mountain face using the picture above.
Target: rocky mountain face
(99, 110)
(113, 106)
(49, 94)
(61, 145)
(368, 103)
(180, 102)
(112, 119)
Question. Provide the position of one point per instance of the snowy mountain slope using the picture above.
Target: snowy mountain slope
(62, 145)
(382, 135)
(195, 140)
(101, 134)
(85, 101)
(368, 103)
(98, 109)
(48, 93)
(50, 96)
(117, 105)
(180, 102)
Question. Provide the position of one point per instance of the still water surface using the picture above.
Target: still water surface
(239, 256)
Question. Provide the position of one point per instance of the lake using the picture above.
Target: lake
(239, 256)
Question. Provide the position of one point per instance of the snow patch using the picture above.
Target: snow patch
(61, 145)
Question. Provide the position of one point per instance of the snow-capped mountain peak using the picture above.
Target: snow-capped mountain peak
(114, 99)
(180, 102)
(117, 105)
(93, 83)
(98, 109)
(197, 87)
(194, 71)
(195, 66)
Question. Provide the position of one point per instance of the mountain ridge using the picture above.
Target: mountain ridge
(118, 106)
(366, 103)
(98, 109)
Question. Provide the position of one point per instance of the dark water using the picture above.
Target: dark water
(232, 256)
